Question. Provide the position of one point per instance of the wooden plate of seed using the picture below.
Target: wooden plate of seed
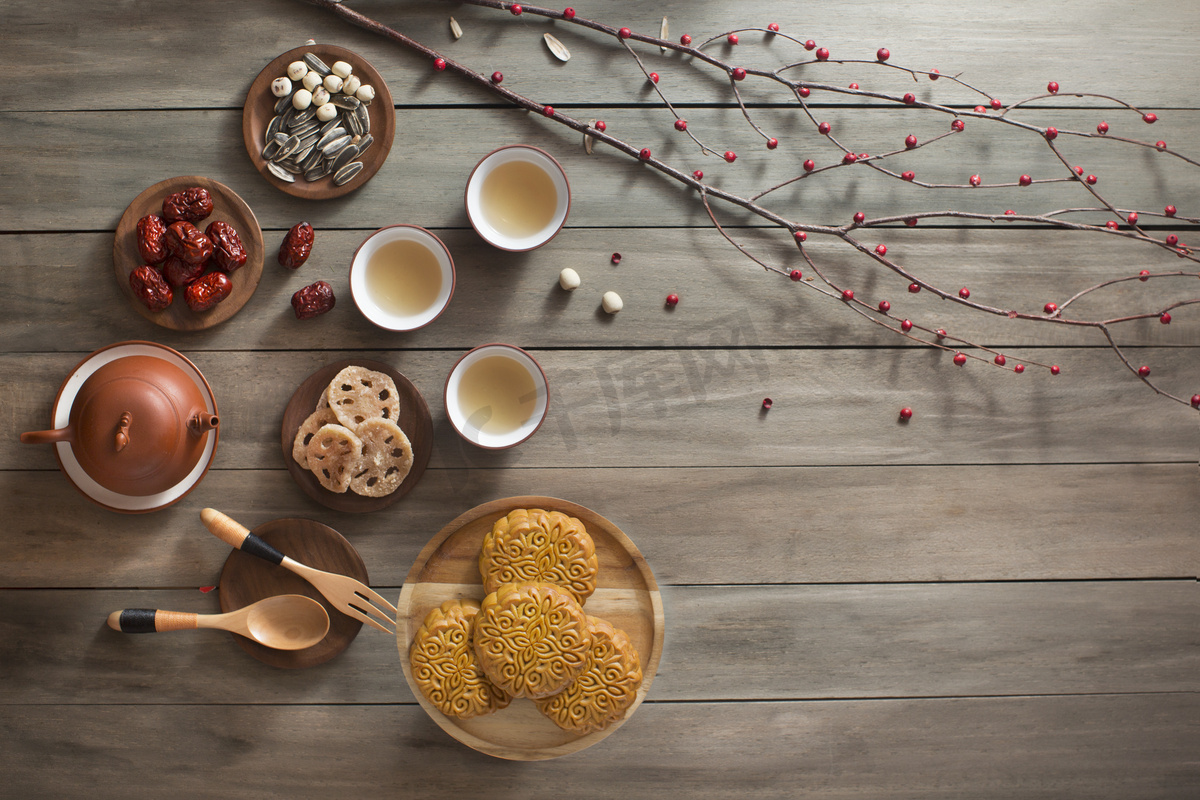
(318, 122)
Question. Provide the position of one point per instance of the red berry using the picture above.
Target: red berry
(767, 403)
(681, 124)
(1160, 144)
(800, 236)
(960, 359)
(964, 293)
(516, 10)
(795, 275)
(885, 306)
(1051, 133)
(823, 54)
(497, 77)
(1111, 224)
(1149, 119)
(1196, 401)
(809, 165)
(732, 38)
(882, 54)
(976, 180)
(934, 74)
(958, 125)
(1078, 170)
(672, 300)
(772, 143)
(1144, 275)
(847, 294)
(730, 156)
(911, 222)
(881, 249)
(654, 77)
(1091, 179)
(804, 91)
(548, 111)
(616, 258)
(1133, 218)
(439, 64)
(600, 126)
(849, 158)
(909, 98)
(823, 128)
(1019, 368)
(906, 325)
(908, 175)
(1102, 128)
(854, 86)
(941, 333)
(1000, 360)
(859, 217)
(1025, 180)
(910, 141)
(906, 413)
(996, 104)
(1052, 87)
(913, 288)
(644, 154)
(698, 175)
(1050, 308)
(568, 13)
(1172, 239)
(1170, 211)
(624, 33)
(810, 44)
(980, 110)
(1010, 213)
(773, 27)
(685, 40)
(1164, 318)
(739, 74)
(1144, 371)
(1054, 370)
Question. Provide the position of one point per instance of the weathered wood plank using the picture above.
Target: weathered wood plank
(702, 407)
(1099, 746)
(79, 170)
(729, 643)
(83, 56)
(695, 526)
(523, 303)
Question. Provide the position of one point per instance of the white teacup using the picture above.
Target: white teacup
(402, 277)
(496, 396)
(511, 206)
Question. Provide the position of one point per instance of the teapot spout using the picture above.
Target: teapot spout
(203, 421)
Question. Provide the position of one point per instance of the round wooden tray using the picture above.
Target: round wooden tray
(246, 579)
(415, 421)
(228, 207)
(259, 110)
(448, 567)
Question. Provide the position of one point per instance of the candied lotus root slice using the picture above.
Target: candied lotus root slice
(386, 458)
(308, 429)
(533, 545)
(607, 687)
(531, 639)
(357, 394)
(444, 665)
(332, 454)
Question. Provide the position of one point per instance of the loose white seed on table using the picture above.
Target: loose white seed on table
(281, 87)
(612, 302)
(568, 279)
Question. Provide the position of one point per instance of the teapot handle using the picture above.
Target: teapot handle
(47, 437)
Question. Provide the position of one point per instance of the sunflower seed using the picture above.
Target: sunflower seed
(317, 172)
(366, 142)
(364, 118)
(287, 148)
(283, 103)
(345, 101)
(335, 146)
(316, 64)
(311, 158)
(280, 173)
(272, 149)
(344, 157)
(558, 48)
(662, 34)
(304, 116)
(272, 128)
(307, 129)
(455, 28)
(330, 135)
(347, 173)
(289, 166)
(354, 124)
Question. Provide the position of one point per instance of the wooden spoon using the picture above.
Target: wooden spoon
(284, 622)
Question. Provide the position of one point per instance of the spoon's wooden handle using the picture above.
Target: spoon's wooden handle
(237, 536)
(149, 620)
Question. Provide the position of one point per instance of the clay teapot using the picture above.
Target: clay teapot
(137, 425)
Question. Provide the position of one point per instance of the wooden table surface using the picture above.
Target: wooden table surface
(997, 599)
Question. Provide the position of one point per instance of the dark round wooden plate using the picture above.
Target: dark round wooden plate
(246, 579)
(259, 110)
(228, 207)
(415, 421)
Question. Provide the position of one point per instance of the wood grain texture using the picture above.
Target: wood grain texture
(1101, 746)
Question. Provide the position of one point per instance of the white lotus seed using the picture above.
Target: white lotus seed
(326, 112)
(568, 279)
(612, 302)
(365, 93)
(281, 87)
(333, 83)
(302, 99)
(320, 96)
(312, 80)
(351, 84)
(297, 70)
(341, 69)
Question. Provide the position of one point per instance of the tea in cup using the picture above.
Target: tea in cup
(402, 277)
(518, 198)
(496, 396)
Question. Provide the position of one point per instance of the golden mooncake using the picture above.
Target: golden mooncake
(604, 690)
(531, 639)
(530, 545)
(444, 665)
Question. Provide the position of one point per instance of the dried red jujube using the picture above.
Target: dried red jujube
(151, 239)
(296, 246)
(188, 242)
(313, 300)
(148, 286)
(191, 205)
(228, 251)
(179, 272)
(204, 293)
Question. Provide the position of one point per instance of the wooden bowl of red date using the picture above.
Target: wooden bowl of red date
(227, 207)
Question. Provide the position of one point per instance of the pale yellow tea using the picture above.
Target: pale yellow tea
(497, 395)
(518, 198)
(404, 278)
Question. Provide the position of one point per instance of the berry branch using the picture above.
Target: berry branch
(1125, 224)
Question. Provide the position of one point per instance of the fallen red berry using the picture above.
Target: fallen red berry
(906, 413)
(672, 300)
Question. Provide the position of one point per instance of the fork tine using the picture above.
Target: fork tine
(355, 613)
(375, 597)
(366, 606)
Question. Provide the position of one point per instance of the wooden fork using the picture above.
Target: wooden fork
(353, 598)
